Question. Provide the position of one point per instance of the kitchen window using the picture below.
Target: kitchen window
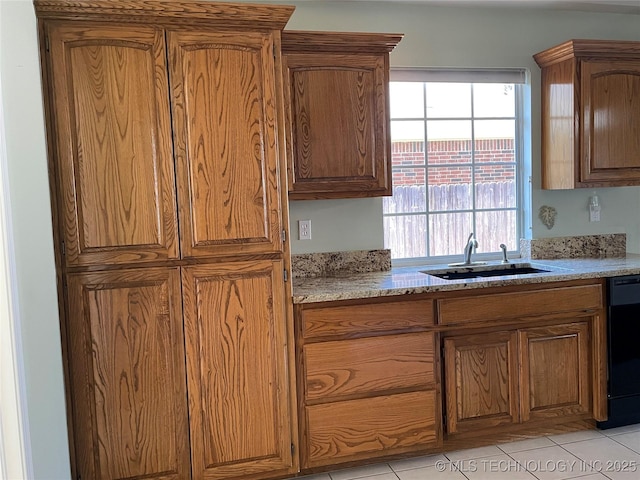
(457, 162)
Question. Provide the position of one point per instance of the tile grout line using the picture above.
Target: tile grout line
(456, 468)
(590, 464)
(577, 477)
(625, 446)
(524, 467)
(610, 438)
(550, 437)
(459, 471)
(394, 472)
(367, 477)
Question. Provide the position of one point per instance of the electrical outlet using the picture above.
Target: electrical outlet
(304, 229)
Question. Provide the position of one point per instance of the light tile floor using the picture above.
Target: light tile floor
(587, 455)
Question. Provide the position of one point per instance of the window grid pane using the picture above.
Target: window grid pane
(469, 181)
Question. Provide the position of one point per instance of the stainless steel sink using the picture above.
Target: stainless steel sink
(462, 272)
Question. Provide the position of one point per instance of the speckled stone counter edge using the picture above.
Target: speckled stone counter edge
(330, 264)
(413, 280)
(585, 246)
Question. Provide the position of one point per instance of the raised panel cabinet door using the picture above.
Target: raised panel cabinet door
(239, 410)
(225, 106)
(128, 382)
(555, 371)
(481, 381)
(338, 134)
(111, 144)
(611, 121)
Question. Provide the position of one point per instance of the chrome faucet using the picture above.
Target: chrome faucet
(471, 244)
(504, 253)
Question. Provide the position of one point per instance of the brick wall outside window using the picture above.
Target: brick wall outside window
(405, 155)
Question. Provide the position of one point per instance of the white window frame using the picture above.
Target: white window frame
(520, 77)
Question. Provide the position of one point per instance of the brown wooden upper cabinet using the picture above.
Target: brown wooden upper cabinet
(113, 154)
(123, 199)
(227, 166)
(337, 112)
(590, 114)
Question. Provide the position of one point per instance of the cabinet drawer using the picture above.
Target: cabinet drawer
(370, 318)
(519, 304)
(358, 429)
(368, 365)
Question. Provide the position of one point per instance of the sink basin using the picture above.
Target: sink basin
(462, 273)
(467, 265)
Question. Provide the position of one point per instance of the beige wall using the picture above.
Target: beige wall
(469, 37)
(435, 36)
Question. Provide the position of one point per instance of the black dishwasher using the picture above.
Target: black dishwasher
(623, 341)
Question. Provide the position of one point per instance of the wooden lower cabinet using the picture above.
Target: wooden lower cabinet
(481, 375)
(555, 371)
(368, 381)
(335, 370)
(127, 375)
(510, 377)
(505, 305)
(134, 416)
(341, 426)
(318, 321)
(237, 372)
(515, 361)
(370, 427)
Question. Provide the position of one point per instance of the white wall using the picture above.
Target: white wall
(435, 36)
(14, 443)
(30, 212)
(469, 37)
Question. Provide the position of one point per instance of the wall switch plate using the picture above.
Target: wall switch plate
(304, 229)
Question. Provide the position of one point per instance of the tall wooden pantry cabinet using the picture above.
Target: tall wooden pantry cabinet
(169, 202)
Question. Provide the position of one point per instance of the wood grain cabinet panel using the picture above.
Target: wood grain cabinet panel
(237, 369)
(590, 113)
(336, 97)
(555, 370)
(368, 381)
(357, 429)
(167, 169)
(370, 318)
(481, 381)
(225, 106)
(522, 304)
(369, 365)
(610, 106)
(127, 371)
(113, 150)
(546, 368)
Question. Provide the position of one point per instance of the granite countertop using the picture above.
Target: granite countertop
(408, 280)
